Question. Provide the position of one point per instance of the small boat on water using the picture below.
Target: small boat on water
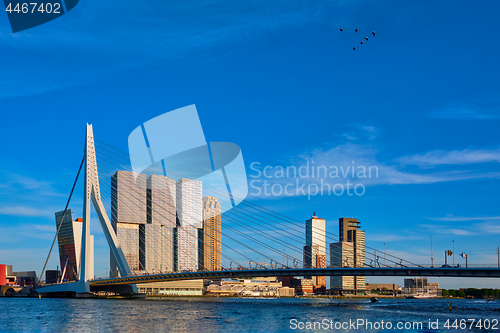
(421, 296)
(490, 300)
(374, 299)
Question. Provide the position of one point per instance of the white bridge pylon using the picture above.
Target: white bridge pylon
(92, 193)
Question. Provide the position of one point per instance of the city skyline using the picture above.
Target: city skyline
(412, 102)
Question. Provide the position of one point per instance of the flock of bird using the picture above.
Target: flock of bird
(366, 38)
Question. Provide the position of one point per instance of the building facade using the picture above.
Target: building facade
(69, 240)
(157, 249)
(210, 236)
(156, 221)
(315, 248)
(128, 217)
(173, 288)
(189, 220)
(348, 252)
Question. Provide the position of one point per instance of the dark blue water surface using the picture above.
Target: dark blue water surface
(236, 314)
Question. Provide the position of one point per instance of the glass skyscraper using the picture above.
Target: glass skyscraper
(69, 240)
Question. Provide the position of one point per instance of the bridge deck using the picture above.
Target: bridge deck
(338, 271)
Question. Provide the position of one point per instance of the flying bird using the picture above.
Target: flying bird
(356, 30)
(341, 29)
(354, 48)
(373, 33)
(361, 42)
(366, 38)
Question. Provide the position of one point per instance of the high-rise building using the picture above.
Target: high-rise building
(210, 236)
(69, 240)
(189, 220)
(348, 252)
(128, 214)
(157, 248)
(314, 250)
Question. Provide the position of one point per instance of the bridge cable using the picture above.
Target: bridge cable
(62, 219)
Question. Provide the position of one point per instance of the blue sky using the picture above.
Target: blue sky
(420, 101)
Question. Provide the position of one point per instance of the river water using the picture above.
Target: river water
(242, 315)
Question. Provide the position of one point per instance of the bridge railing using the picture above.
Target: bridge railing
(329, 266)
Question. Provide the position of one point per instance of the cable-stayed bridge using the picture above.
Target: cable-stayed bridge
(249, 235)
(330, 271)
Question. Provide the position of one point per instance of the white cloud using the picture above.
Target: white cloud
(25, 233)
(461, 113)
(460, 157)
(44, 227)
(26, 211)
(482, 228)
(361, 156)
(489, 228)
(450, 217)
(13, 183)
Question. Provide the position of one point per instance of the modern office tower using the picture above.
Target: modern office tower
(314, 250)
(157, 246)
(346, 224)
(340, 253)
(189, 220)
(209, 236)
(128, 213)
(69, 240)
(348, 252)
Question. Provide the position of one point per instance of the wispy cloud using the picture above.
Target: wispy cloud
(101, 38)
(461, 157)
(11, 182)
(25, 233)
(22, 195)
(490, 227)
(462, 113)
(26, 211)
(359, 132)
(453, 218)
(355, 159)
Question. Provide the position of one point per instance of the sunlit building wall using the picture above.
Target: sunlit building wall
(189, 220)
(314, 250)
(158, 246)
(128, 213)
(348, 252)
(210, 235)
